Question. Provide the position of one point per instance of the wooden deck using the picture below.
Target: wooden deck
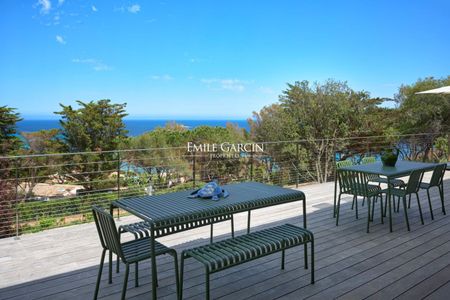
(350, 264)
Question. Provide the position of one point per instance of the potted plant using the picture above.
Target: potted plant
(390, 157)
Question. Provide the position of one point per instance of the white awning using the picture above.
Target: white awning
(441, 90)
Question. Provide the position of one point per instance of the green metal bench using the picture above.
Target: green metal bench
(224, 254)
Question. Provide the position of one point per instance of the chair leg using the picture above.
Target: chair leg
(312, 261)
(429, 203)
(156, 276)
(406, 213)
(420, 209)
(180, 288)
(368, 213)
(353, 202)
(207, 284)
(110, 267)
(356, 205)
(282, 259)
(305, 247)
(117, 264)
(381, 209)
(337, 209)
(385, 206)
(177, 279)
(364, 200)
(117, 258)
(99, 277)
(441, 191)
(125, 281)
(409, 201)
(136, 274)
(398, 204)
(373, 209)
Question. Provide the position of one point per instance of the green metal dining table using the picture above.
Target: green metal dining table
(402, 168)
(174, 212)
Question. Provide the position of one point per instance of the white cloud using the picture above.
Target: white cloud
(45, 6)
(94, 8)
(266, 90)
(60, 40)
(94, 63)
(135, 8)
(56, 19)
(234, 85)
(162, 77)
(195, 60)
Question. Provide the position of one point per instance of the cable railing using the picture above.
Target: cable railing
(43, 191)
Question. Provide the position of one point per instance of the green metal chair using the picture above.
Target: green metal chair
(344, 163)
(129, 252)
(437, 180)
(356, 184)
(412, 187)
(378, 178)
(341, 164)
(142, 230)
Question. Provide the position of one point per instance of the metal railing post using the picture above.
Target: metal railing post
(297, 161)
(17, 198)
(118, 183)
(193, 169)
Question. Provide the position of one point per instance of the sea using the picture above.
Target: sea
(134, 127)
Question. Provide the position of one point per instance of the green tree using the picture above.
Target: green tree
(272, 124)
(44, 141)
(36, 169)
(318, 114)
(8, 130)
(424, 113)
(93, 127)
(162, 153)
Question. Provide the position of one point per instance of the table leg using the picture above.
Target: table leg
(389, 203)
(248, 221)
(152, 249)
(335, 193)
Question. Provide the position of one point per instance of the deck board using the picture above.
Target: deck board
(350, 264)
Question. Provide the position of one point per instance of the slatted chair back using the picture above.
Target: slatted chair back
(438, 175)
(414, 181)
(352, 182)
(343, 163)
(368, 160)
(107, 231)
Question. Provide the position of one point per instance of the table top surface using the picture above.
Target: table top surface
(401, 168)
(178, 207)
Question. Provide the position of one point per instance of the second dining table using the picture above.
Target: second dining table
(402, 168)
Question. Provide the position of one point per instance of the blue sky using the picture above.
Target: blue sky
(211, 59)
